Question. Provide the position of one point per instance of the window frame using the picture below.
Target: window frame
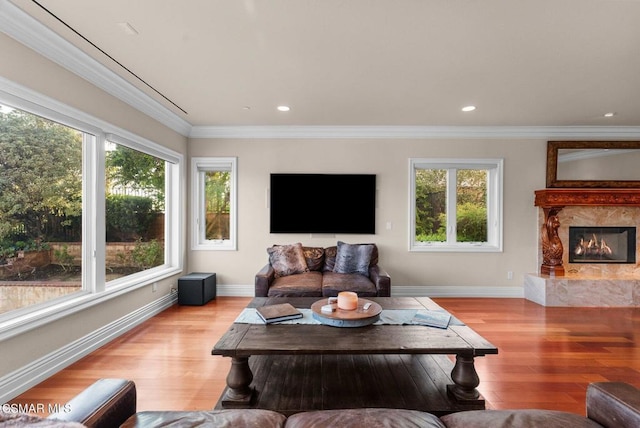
(495, 167)
(200, 165)
(94, 288)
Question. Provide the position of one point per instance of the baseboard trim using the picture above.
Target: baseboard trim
(19, 381)
(235, 290)
(457, 291)
(405, 291)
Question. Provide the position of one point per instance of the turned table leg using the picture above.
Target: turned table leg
(238, 380)
(465, 379)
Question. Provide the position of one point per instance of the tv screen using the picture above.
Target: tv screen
(323, 203)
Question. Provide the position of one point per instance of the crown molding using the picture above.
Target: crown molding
(20, 26)
(415, 132)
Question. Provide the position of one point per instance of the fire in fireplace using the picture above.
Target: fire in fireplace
(602, 244)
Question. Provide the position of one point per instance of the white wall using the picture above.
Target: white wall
(525, 162)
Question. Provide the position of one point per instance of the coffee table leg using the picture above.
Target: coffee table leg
(466, 379)
(238, 380)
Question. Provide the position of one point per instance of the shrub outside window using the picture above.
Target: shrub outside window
(456, 205)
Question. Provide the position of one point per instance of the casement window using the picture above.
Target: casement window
(102, 203)
(455, 205)
(214, 207)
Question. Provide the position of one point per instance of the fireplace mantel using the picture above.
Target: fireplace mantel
(552, 201)
(547, 198)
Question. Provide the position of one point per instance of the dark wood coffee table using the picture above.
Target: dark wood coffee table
(299, 367)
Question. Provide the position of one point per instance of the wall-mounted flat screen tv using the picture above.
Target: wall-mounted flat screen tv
(323, 203)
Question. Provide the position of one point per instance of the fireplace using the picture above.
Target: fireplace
(602, 245)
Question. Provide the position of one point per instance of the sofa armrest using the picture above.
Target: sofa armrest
(381, 279)
(264, 278)
(613, 404)
(107, 403)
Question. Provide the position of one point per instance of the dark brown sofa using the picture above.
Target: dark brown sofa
(312, 273)
(111, 403)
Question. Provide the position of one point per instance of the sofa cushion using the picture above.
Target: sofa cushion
(10, 419)
(353, 258)
(308, 284)
(365, 418)
(215, 418)
(314, 256)
(333, 283)
(287, 259)
(516, 419)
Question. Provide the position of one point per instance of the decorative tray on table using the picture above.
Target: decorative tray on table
(358, 317)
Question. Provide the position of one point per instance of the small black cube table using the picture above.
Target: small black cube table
(196, 288)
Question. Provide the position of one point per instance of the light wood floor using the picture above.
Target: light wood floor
(547, 356)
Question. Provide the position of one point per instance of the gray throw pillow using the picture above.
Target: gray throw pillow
(353, 258)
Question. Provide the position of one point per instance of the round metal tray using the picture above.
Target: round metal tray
(343, 318)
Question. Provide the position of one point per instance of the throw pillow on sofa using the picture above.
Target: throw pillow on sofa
(314, 256)
(287, 259)
(353, 258)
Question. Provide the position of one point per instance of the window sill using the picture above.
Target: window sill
(32, 318)
(438, 247)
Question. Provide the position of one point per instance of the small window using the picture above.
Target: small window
(456, 204)
(213, 182)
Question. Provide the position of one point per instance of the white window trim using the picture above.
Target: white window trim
(494, 204)
(94, 291)
(199, 165)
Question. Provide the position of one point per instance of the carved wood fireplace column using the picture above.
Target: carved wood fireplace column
(551, 244)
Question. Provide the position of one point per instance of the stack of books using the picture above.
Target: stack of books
(277, 313)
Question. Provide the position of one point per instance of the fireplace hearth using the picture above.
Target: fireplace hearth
(602, 245)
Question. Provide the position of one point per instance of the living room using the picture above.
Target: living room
(382, 147)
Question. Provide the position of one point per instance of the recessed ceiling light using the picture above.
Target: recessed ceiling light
(610, 114)
(468, 108)
(284, 108)
(246, 108)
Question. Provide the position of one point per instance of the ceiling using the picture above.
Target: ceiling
(368, 62)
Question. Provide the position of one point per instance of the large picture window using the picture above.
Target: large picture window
(40, 209)
(213, 181)
(456, 204)
(87, 210)
(134, 210)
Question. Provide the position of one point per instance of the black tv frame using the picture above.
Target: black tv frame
(322, 203)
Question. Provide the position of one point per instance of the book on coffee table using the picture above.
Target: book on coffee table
(279, 312)
(432, 319)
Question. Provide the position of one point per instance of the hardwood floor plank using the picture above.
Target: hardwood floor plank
(547, 356)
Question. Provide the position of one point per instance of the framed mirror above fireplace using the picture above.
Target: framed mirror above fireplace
(593, 164)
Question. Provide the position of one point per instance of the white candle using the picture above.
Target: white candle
(347, 300)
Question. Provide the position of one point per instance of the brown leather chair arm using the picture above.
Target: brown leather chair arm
(105, 404)
(614, 404)
(264, 278)
(381, 279)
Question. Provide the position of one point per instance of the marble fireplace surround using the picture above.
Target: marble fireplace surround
(560, 283)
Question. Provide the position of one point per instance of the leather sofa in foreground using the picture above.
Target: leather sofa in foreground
(110, 403)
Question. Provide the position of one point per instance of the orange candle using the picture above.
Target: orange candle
(347, 300)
